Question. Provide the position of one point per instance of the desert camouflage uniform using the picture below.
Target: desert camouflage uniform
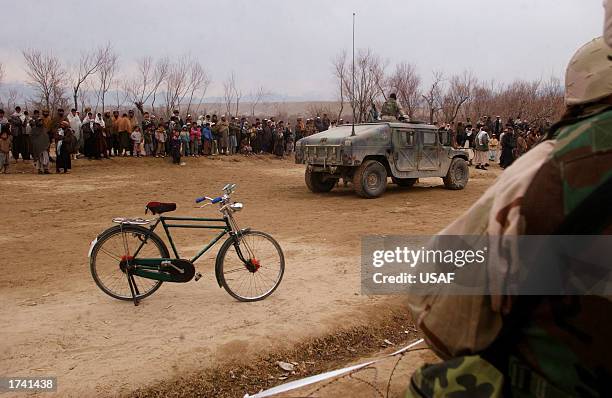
(391, 110)
(533, 346)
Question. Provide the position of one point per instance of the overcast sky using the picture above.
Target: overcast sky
(287, 45)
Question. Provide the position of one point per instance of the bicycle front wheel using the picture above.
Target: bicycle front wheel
(259, 274)
(115, 248)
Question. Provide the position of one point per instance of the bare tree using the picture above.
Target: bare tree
(146, 83)
(121, 95)
(319, 109)
(11, 101)
(88, 65)
(369, 73)
(47, 76)
(433, 96)
(177, 84)
(406, 82)
(257, 98)
(84, 96)
(519, 98)
(460, 90)
(1, 73)
(483, 100)
(551, 101)
(198, 82)
(339, 65)
(106, 75)
(238, 96)
(229, 93)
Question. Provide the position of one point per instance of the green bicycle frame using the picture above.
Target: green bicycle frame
(221, 224)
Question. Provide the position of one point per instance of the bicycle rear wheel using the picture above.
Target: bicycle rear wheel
(262, 272)
(115, 247)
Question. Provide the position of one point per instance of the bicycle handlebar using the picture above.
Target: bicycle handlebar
(228, 189)
(212, 200)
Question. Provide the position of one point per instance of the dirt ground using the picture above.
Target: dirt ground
(56, 322)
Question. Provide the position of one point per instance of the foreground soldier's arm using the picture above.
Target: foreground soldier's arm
(557, 344)
(458, 325)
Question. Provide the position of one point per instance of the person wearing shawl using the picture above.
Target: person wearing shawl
(223, 132)
(92, 135)
(18, 125)
(279, 139)
(65, 146)
(100, 136)
(75, 124)
(267, 137)
(40, 143)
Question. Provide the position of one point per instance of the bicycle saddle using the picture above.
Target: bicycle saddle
(159, 207)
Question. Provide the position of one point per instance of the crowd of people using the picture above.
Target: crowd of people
(493, 141)
(98, 136)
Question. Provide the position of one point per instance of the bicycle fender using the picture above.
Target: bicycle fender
(91, 246)
(218, 267)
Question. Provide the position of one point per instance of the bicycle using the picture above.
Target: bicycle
(134, 253)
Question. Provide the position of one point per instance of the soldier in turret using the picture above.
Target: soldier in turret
(391, 110)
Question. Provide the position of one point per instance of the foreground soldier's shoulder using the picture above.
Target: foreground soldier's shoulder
(586, 137)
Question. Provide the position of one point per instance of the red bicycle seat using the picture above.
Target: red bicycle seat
(159, 207)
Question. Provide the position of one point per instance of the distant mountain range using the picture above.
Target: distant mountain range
(25, 92)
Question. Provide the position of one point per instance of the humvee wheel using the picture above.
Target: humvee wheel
(370, 179)
(316, 183)
(404, 182)
(458, 174)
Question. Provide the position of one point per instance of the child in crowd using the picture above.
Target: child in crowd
(6, 144)
(148, 141)
(160, 136)
(195, 137)
(245, 147)
(136, 137)
(175, 147)
(290, 140)
(493, 149)
(185, 141)
(207, 138)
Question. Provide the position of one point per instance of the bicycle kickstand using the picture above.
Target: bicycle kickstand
(133, 288)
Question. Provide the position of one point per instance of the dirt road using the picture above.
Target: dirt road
(56, 322)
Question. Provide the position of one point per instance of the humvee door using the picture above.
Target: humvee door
(404, 149)
(429, 150)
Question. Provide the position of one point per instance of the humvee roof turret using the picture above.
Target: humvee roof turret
(403, 151)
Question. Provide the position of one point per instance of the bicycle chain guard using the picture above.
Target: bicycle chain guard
(175, 270)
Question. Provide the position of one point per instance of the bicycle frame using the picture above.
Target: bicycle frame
(223, 224)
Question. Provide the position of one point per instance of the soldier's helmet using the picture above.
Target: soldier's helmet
(589, 73)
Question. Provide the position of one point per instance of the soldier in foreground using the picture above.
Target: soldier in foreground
(391, 110)
(534, 346)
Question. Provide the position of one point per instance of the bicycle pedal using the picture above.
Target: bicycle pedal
(197, 276)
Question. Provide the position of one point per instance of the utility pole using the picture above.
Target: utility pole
(353, 89)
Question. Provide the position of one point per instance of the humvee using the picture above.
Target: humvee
(403, 151)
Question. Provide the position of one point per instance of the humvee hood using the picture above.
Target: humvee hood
(337, 135)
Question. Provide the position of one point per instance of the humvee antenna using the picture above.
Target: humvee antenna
(353, 89)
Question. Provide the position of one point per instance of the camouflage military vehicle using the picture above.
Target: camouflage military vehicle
(403, 151)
